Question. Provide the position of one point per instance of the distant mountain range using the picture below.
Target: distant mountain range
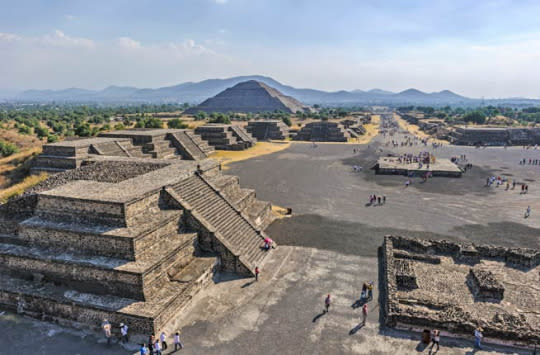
(195, 93)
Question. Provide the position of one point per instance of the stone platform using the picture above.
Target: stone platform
(129, 239)
(391, 166)
(458, 287)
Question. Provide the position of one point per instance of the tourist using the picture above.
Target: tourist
(327, 304)
(370, 291)
(257, 271)
(384, 199)
(407, 183)
(106, 326)
(144, 350)
(124, 333)
(528, 212)
(364, 291)
(435, 338)
(364, 313)
(378, 200)
(151, 340)
(163, 339)
(157, 347)
(177, 342)
(478, 337)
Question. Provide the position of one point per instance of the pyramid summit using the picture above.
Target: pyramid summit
(249, 96)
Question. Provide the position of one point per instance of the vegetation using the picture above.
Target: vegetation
(176, 123)
(7, 149)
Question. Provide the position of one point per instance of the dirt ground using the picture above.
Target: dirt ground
(329, 246)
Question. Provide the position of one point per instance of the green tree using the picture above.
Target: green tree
(176, 123)
(7, 148)
(475, 117)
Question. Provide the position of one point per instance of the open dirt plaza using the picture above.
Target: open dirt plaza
(330, 246)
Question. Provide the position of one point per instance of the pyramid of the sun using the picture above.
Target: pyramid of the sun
(249, 96)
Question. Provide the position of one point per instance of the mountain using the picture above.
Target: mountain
(197, 92)
(249, 96)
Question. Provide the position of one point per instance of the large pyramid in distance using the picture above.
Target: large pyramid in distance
(249, 96)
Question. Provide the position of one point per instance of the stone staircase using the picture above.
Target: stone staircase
(141, 271)
(220, 136)
(228, 225)
(323, 131)
(160, 148)
(268, 129)
(243, 136)
(190, 145)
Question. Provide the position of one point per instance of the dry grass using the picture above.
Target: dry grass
(260, 148)
(415, 130)
(19, 188)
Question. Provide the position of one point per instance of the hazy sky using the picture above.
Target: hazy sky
(475, 48)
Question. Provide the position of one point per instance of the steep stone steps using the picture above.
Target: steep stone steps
(185, 142)
(202, 144)
(240, 235)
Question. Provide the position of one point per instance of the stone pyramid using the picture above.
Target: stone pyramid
(249, 96)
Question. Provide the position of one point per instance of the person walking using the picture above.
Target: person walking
(327, 304)
(478, 336)
(364, 313)
(384, 200)
(435, 338)
(528, 212)
(124, 333)
(106, 326)
(151, 340)
(257, 271)
(370, 291)
(157, 347)
(177, 342)
(143, 350)
(378, 200)
(163, 339)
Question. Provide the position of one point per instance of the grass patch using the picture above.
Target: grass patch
(18, 189)
(260, 148)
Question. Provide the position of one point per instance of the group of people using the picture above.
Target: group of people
(421, 158)
(435, 338)
(365, 297)
(531, 161)
(375, 200)
(155, 346)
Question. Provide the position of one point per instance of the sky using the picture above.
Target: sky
(476, 48)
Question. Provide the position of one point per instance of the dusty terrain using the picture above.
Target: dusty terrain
(329, 245)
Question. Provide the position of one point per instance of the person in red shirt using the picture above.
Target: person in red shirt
(364, 313)
(257, 271)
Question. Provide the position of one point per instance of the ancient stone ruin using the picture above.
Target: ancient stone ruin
(323, 131)
(495, 136)
(268, 129)
(431, 284)
(226, 137)
(249, 96)
(134, 143)
(129, 239)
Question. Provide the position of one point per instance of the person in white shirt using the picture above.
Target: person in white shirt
(157, 348)
(177, 342)
(124, 332)
(478, 337)
(163, 339)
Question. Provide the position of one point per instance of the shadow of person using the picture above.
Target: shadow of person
(316, 318)
(247, 284)
(358, 303)
(421, 346)
(356, 328)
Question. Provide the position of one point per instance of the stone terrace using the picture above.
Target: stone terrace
(125, 238)
(457, 287)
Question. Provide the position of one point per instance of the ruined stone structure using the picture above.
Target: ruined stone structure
(131, 143)
(457, 287)
(495, 136)
(124, 238)
(441, 167)
(249, 96)
(226, 137)
(268, 129)
(323, 131)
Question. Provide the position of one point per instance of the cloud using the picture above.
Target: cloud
(9, 37)
(127, 42)
(221, 2)
(60, 39)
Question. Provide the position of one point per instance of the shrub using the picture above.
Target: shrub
(6, 149)
(176, 123)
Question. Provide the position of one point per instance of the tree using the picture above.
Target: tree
(41, 132)
(176, 123)
(287, 120)
(475, 117)
(201, 115)
(7, 149)
(51, 138)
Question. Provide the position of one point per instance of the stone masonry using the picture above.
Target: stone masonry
(457, 287)
(127, 239)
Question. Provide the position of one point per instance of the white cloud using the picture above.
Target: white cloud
(9, 37)
(127, 42)
(60, 39)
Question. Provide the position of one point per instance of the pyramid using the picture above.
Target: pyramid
(249, 96)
